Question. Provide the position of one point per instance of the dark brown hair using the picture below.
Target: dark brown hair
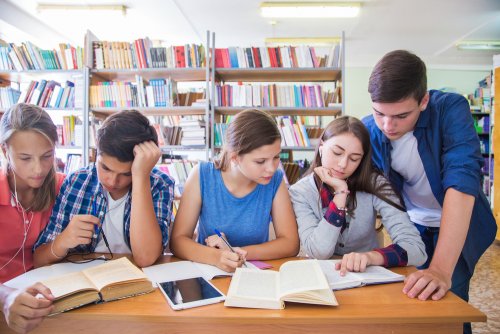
(398, 75)
(366, 177)
(28, 117)
(249, 130)
(120, 133)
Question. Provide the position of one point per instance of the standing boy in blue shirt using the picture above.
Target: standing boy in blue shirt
(122, 197)
(425, 142)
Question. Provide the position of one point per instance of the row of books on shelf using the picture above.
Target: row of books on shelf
(49, 94)
(273, 95)
(482, 124)
(142, 53)
(158, 93)
(293, 132)
(179, 170)
(70, 133)
(481, 98)
(271, 57)
(28, 56)
(8, 97)
(73, 163)
(154, 93)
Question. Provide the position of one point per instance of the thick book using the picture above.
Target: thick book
(299, 281)
(372, 275)
(111, 280)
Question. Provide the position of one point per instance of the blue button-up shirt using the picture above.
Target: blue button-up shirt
(448, 146)
(81, 193)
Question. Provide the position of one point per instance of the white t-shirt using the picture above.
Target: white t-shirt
(113, 227)
(422, 206)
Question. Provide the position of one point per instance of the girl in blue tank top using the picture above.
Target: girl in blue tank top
(238, 195)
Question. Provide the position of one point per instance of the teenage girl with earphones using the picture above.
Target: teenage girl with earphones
(239, 195)
(28, 188)
(336, 204)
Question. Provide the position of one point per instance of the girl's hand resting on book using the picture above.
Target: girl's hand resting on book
(358, 262)
(23, 310)
(229, 261)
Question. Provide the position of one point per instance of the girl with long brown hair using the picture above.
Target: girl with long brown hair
(337, 202)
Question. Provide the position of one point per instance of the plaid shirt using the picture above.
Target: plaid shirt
(394, 255)
(82, 187)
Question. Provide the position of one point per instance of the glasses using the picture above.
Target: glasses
(89, 256)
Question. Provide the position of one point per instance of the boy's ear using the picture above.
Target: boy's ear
(425, 101)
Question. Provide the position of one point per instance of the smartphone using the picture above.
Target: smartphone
(191, 292)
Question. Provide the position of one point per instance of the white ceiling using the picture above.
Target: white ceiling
(430, 28)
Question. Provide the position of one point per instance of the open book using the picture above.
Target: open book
(109, 281)
(372, 275)
(299, 281)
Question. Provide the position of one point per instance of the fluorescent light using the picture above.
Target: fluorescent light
(51, 7)
(309, 9)
(315, 41)
(479, 45)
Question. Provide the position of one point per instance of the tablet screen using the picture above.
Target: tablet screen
(189, 290)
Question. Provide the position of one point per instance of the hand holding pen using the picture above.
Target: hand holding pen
(241, 253)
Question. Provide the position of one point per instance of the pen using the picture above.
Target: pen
(93, 212)
(227, 243)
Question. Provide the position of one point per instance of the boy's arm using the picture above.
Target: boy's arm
(146, 236)
(460, 177)
(455, 220)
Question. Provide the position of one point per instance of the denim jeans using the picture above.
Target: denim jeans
(461, 275)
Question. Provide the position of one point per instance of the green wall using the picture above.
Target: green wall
(358, 99)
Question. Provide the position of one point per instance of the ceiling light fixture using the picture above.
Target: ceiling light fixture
(314, 41)
(52, 7)
(310, 9)
(479, 45)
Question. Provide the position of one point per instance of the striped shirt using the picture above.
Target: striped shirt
(82, 187)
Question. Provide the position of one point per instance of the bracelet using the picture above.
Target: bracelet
(52, 250)
(346, 191)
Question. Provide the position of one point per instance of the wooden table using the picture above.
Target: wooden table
(372, 309)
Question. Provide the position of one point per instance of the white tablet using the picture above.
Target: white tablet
(191, 292)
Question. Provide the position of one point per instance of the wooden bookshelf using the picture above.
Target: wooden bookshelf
(152, 111)
(321, 74)
(176, 74)
(284, 111)
(56, 75)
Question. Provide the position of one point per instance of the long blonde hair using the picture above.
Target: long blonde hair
(28, 117)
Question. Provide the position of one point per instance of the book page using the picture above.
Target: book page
(302, 275)
(44, 273)
(378, 274)
(255, 284)
(335, 281)
(372, 275)
(67, 284)
(114, 271)
(172, 271)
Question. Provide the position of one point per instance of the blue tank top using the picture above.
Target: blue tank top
(244, 221)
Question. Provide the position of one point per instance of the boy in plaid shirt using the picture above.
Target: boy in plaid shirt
(99, 202)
